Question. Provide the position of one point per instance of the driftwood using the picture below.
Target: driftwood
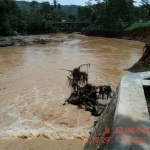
(84, 93)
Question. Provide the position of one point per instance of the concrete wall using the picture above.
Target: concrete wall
(129, 127)
(104, 121)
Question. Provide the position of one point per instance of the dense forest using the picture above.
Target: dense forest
(115, 15)
(33, 17)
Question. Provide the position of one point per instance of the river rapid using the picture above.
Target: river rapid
(33, 86)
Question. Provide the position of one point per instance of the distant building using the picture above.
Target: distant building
(63, 21)
(140, 20)
(143, 20)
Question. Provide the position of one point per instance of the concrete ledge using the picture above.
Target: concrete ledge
(131, 129)
(146, 82)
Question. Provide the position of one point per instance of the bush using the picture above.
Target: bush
(6, 29)
(50, 28)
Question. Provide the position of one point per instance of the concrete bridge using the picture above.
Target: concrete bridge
(70, 26)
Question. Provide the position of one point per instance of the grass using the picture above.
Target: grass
(137, 25)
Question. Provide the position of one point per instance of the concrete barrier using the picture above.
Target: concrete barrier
(130, 126)
(131, 129)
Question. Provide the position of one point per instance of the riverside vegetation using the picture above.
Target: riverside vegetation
(20, 17)
(35, 18)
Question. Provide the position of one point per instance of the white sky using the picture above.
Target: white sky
(69, 2)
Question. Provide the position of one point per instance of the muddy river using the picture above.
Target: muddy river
(33, 86)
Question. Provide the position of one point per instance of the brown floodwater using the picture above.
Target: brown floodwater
(33, 86)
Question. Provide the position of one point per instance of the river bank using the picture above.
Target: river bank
(30, 40)
(143, 64)
(141, 34)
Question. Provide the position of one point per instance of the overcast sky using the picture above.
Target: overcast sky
(69, 2)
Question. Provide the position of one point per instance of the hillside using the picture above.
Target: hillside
(24, 6)
(68, 9)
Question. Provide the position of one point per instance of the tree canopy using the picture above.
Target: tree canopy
(33, 17)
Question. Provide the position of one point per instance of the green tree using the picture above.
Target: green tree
(146, 7)
(71, 18)
(55, 4)
(8, 17)
(46, 10)
(33, 4)
(108, 15)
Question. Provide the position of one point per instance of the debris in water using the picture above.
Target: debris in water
(85, 94)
